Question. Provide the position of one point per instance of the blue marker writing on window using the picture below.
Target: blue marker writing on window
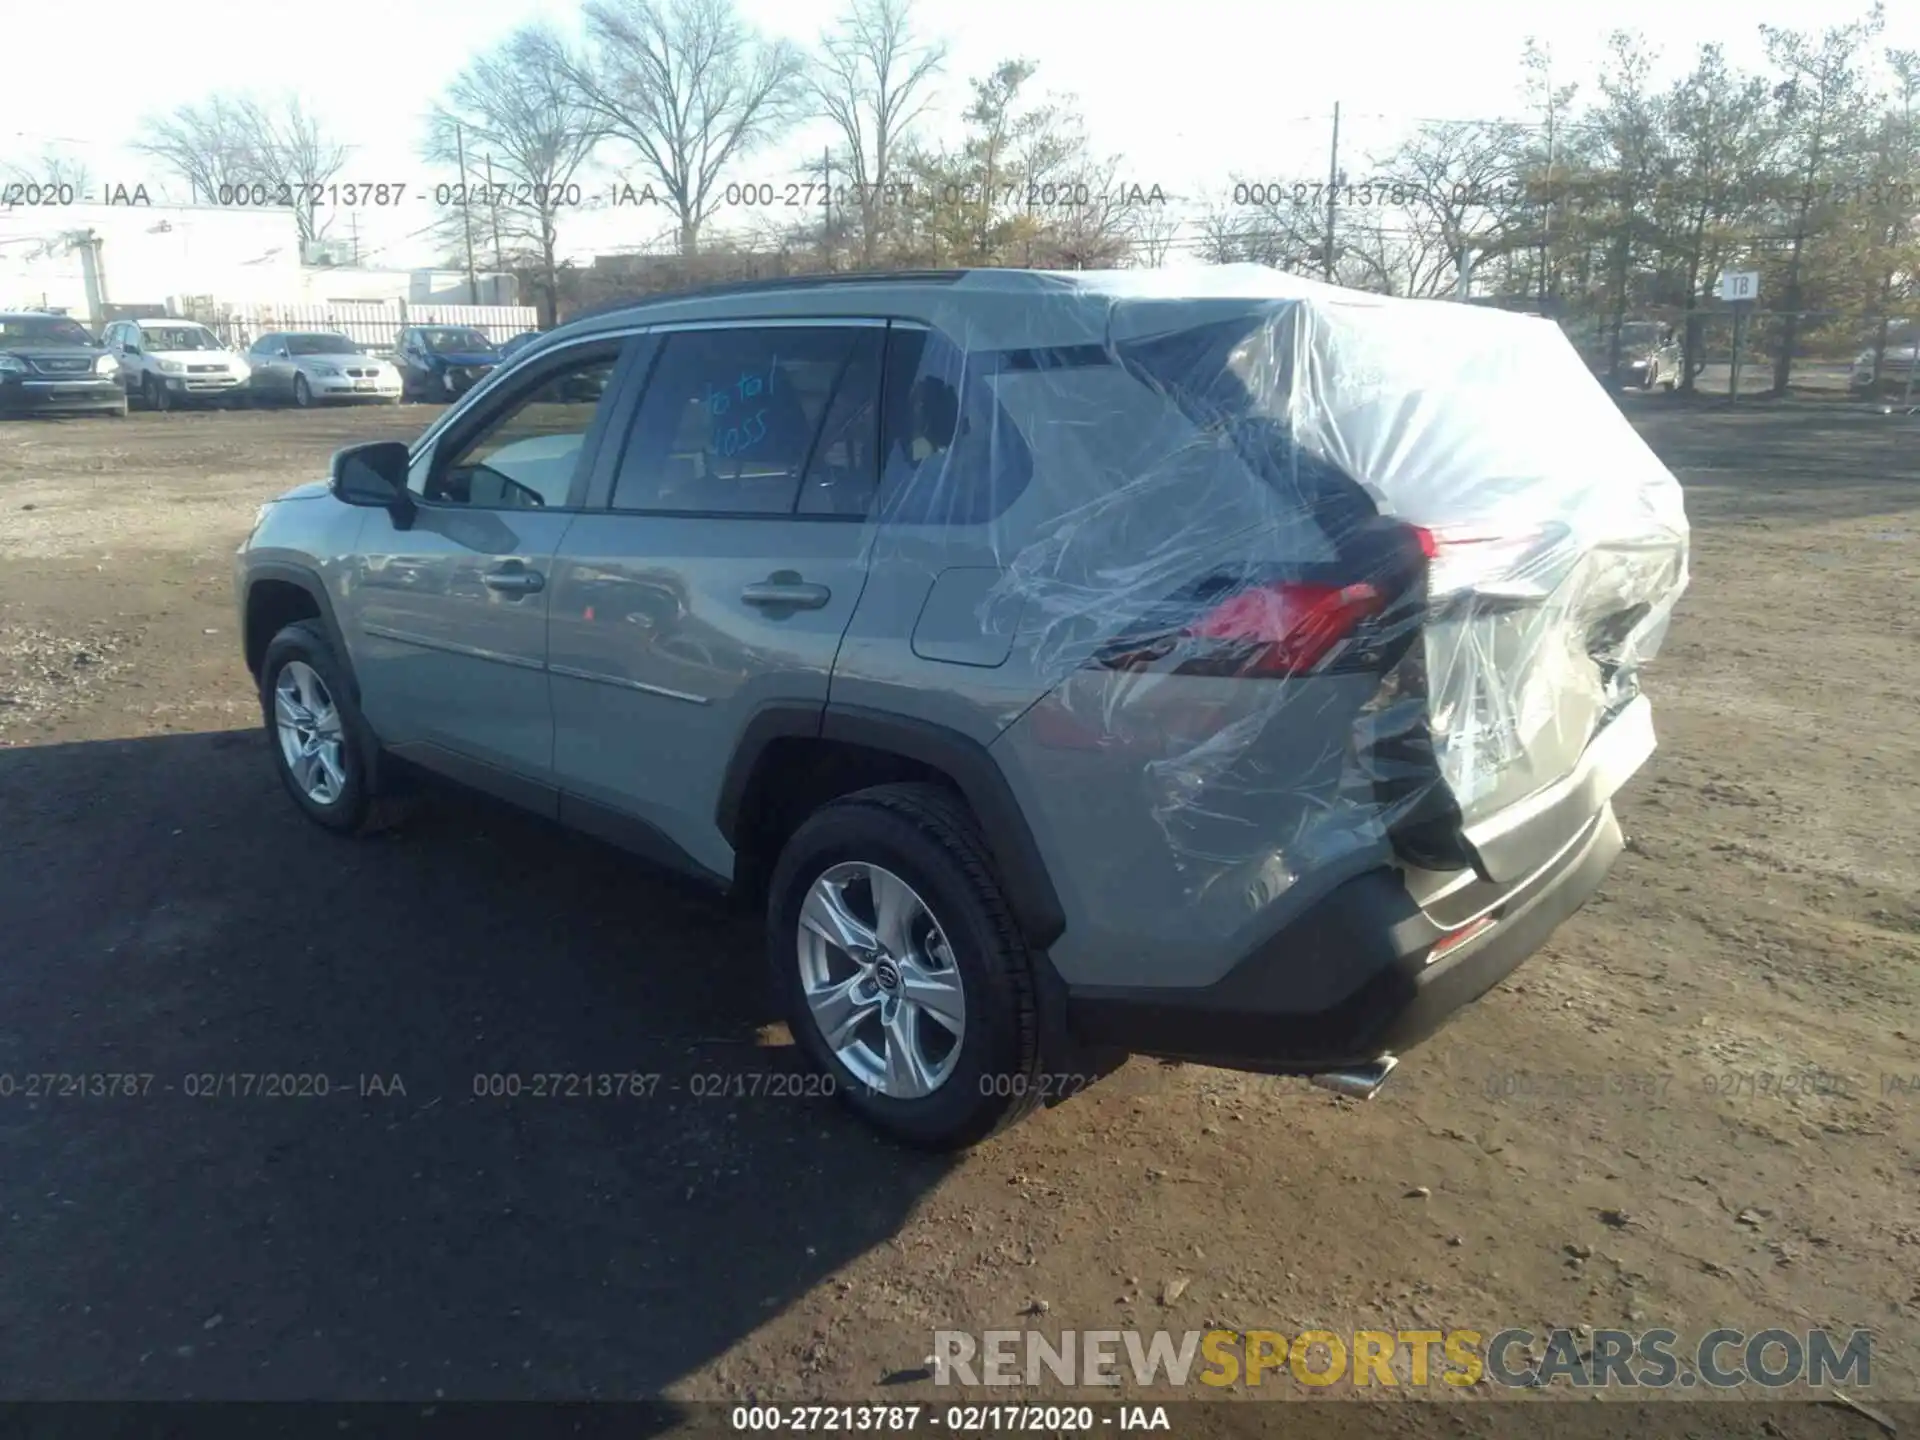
(743, 436)
(748, 387)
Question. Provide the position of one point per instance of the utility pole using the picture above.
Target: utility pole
(466, 211)
(493, 213)
(826, 170)
(353, 217)
(1333, 190)
(1546, 217)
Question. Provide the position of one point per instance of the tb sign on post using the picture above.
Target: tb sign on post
(1740, 288)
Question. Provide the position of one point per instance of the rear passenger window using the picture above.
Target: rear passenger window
(953, 457)
(733, 420)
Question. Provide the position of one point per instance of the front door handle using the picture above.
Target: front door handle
(515, 581)
(784, 594)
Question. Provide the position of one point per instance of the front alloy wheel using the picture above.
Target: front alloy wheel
(879, 977)
(324, 752)
(311, 738)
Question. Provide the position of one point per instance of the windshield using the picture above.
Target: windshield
(1640, 333)
(456, 342)
(47, 329)
(321, 345)
(177, 337)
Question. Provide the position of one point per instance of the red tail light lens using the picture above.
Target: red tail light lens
(1288, 628)
(1269, 631)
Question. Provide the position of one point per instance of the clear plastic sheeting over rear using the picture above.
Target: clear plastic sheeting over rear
(1332, 574)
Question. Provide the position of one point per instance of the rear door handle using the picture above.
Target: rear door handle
(786, 594)
(515, 581)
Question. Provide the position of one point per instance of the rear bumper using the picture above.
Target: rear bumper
(1274, 1012)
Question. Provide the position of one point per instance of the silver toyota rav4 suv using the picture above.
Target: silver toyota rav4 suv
(1211, 665)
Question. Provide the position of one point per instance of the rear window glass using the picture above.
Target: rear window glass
(1230, 379)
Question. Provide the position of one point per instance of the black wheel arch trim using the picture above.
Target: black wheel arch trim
(316, 590)
(965, 761)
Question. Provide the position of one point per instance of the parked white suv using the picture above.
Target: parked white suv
(168, 362)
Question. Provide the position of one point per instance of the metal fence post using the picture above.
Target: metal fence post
(1742, 324)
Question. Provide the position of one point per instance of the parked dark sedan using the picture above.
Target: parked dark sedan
(518, 343)
(50, 365)
(443, 362)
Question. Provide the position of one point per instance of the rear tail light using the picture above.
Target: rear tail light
(1271, 630)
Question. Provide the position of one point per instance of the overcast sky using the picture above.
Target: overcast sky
(1188, 92)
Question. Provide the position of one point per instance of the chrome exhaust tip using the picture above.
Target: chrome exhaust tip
(1360, 1082)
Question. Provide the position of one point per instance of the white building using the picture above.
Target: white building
(82, 258)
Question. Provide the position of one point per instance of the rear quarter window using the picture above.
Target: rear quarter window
(952, 455)
(1112, 454)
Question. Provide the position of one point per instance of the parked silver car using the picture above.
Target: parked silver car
(1228, 668)
(307, 367)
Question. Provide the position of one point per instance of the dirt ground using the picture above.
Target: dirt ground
(1699, 1106)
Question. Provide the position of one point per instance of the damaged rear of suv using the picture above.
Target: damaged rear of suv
(1348, 660)
(1211, 665)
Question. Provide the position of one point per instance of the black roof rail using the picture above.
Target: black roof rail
(794, 282)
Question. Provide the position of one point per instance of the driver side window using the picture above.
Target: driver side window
(526, 454)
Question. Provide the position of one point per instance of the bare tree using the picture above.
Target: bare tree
(235, 143)
(1151, 229)
(689, 86)
(292, 148)
(872, 83)
(54, 167)
(1455, 191)
(517, 112)
(1283, 226)
(210, 145)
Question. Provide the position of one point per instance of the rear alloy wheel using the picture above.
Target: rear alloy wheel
(302, 392)
(901, 971)
(878, 975)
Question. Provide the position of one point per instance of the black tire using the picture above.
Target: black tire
(927, 837)
(302, 392)
(157, 398)
(362, 806)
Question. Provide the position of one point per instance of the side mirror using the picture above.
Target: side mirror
(373, 475)
(131, 348)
